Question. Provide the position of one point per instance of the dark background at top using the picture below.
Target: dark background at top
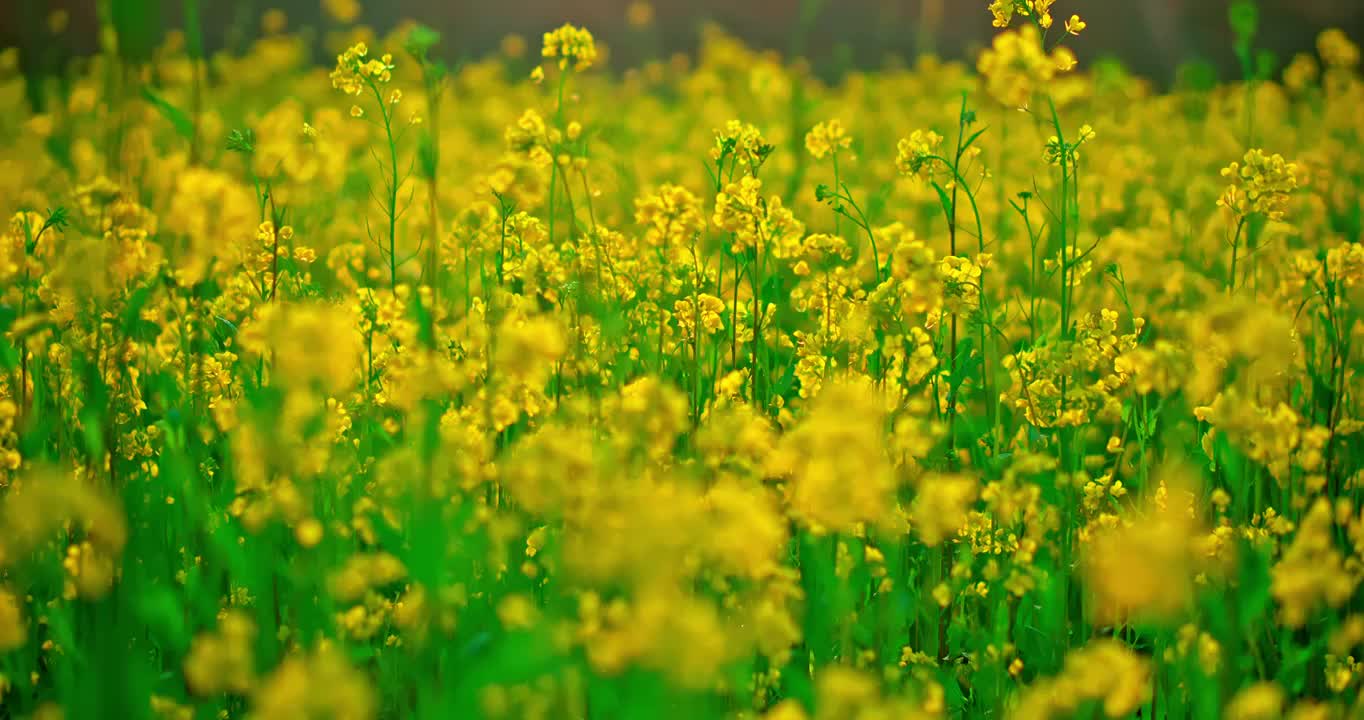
(1152, 37)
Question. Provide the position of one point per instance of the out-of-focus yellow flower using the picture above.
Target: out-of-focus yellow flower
(1015, 65)
(274, 21)
(1336, 49)
(1312, 572)
(223, 660)
(320, 684)
(13, 629)
(640, 13)
(58, 20)
(342, 11)
(1260, 701)
(1105, 671)
(839, 439)
(514, 45)
(940, 506)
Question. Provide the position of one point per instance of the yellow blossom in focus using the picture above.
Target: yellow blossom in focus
(572, 46)
(826, 137)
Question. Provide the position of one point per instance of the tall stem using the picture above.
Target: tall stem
(1235, 248)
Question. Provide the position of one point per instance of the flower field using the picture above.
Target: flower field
(531, 388)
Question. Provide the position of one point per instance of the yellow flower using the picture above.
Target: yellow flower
(572, 45)
(1311, 572)
(528, 348)
(1261, 701)
(1301, 73)
(743, 143)
(58, 20)
(940, 506)
(1336, 49)
(1260, 185)
(1002, 12)
(1016, 65)
(513, 45)
(915, 154)
(1041, 9)
(826, 137)
(308, 533)
(13, 630)
(1144, 567)
(1106, 671)
(224, 660)
(839, 438)
(639, 14)
(321, 684)
(274, 21)
(1075, 25)
(672, 216)
(353, 73)
(342, 11)
(1064, 59)
(517, 612)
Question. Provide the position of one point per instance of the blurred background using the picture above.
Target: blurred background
(1151, 37)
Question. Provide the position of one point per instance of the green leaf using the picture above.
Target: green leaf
(184, 127)
(974, 137)
(945, 201)
(241, 141)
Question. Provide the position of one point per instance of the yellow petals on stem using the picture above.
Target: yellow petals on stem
(826, 137)
(572, 46)
(1260, 185)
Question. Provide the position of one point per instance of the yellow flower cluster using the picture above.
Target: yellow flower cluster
(1260, 185)
(1106, 671)
(355, 70)
(916, 154)
(827, 137)
(572, 46)
(1015, 67)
